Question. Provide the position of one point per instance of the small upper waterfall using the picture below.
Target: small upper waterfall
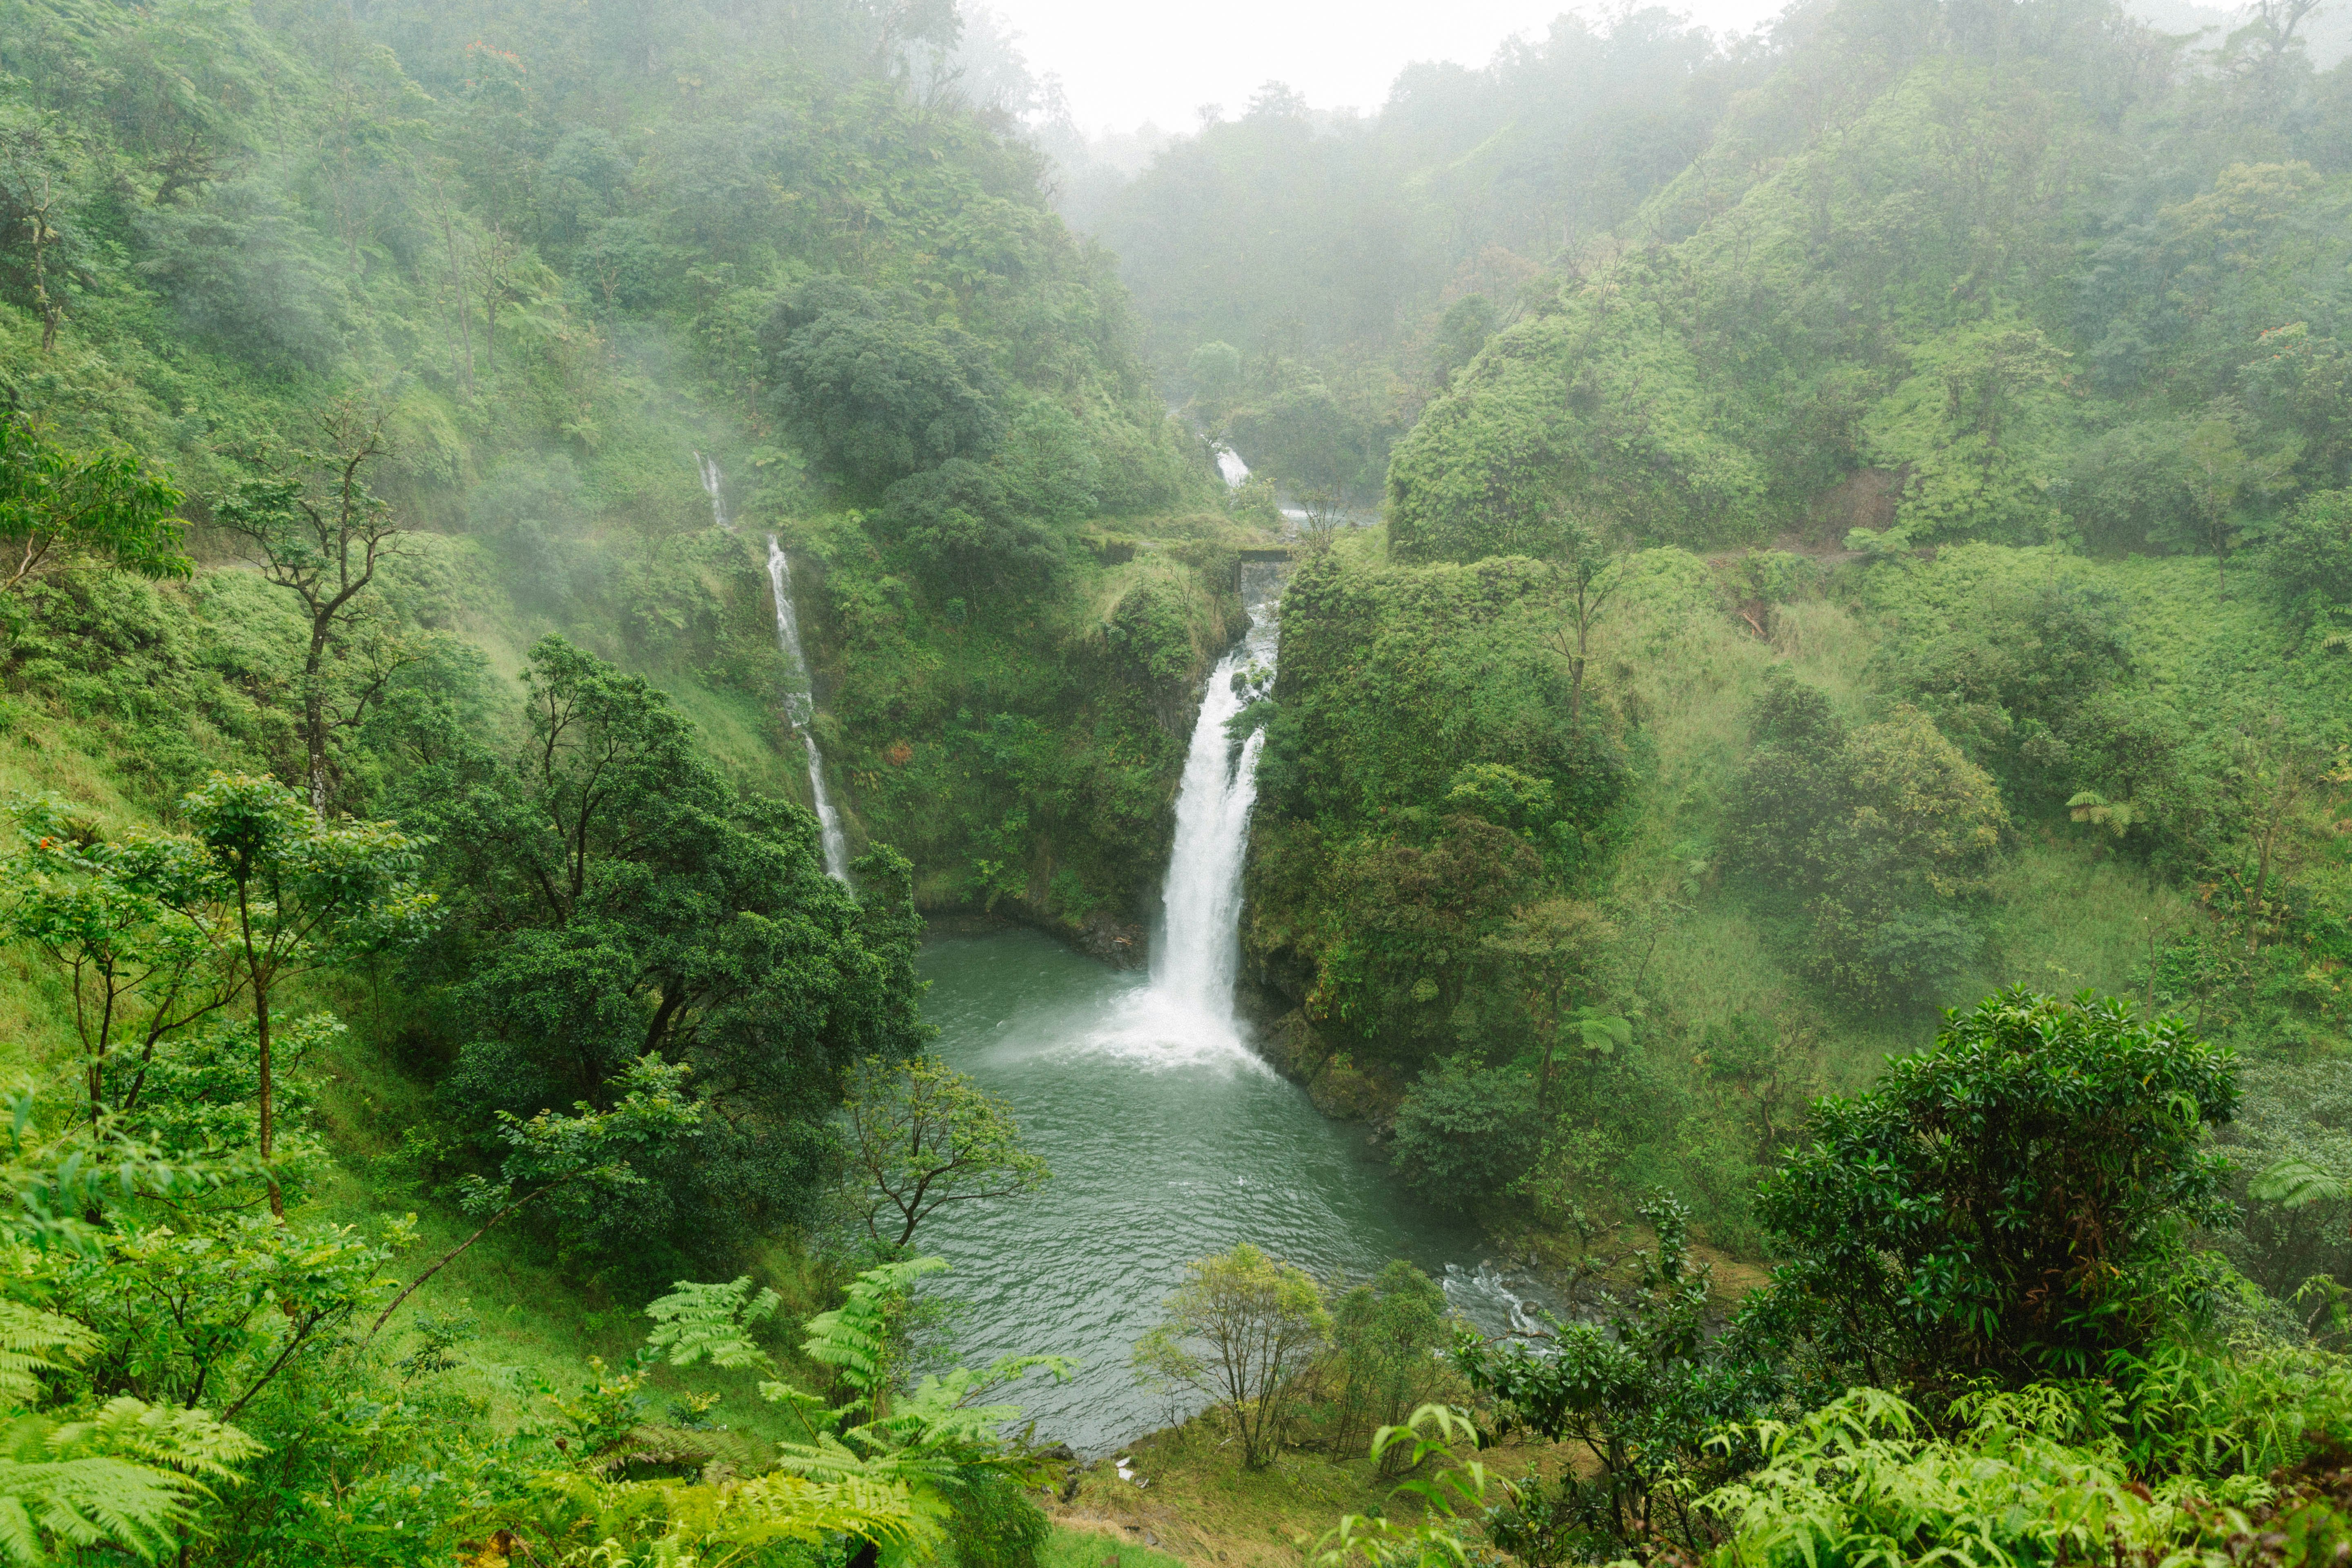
(714, 486)
(801, 704)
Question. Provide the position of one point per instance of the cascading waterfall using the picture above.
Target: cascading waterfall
(1187, 1011)
(714, 486)
(800, 704)
(1230, 464)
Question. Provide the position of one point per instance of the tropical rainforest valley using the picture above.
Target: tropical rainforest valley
(754, 811)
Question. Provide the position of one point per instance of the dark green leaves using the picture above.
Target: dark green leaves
(2014, 1199)
(872, 390)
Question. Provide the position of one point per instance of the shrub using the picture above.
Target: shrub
(1384, 1333)
(1464, 1132)
(1873, 838)
(2308, 564)
(995, 1524)
(2015, 1200)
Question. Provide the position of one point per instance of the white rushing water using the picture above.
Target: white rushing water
(1185, 1013)
(714, 484)
(1230, 463)
(800, 703)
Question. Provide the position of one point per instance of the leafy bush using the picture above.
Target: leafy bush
(2026, 1478)
(2015, 1201)
(2308, 564)
(1869, 839)
(1384, 1334)
(1639, 1384)
(1464, 1132)
(960, 526)
(995, 1525)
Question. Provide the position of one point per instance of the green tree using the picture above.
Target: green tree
(301, 894)
(873, 392)
(2016, 1200)
(1872, 841)
(1385, 1334)
(1214, 370)
(1590, 570)
(2222, 477)
(2308, 561)
(61, 509)
(922, 1136)
(1555, 948)
(137, 925)
(322, 543)
(613, 897)
(1239, 1329)
(1464, 1133)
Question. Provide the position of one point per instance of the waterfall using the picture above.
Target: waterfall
(713, 486)
(1230, 463)
(800, 704)
(1186, 1012)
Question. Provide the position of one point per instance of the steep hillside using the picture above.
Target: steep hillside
(1992, 361)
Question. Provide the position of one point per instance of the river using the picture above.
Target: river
(1168, 1136)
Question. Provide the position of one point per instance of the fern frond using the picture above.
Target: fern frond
(33, 1342)
(853, 1339)
(190, 1442)
(88, 1503)
(2295, 1183)
(696, 1322)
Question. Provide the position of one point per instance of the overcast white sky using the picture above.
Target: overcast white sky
(1122, 63)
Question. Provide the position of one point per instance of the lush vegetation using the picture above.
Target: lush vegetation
(1897, 554)
(1867, 531)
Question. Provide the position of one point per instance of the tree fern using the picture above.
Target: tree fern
(2295, 1183)
(854, 1339)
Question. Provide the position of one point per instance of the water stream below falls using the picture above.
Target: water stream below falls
(1168, 1137)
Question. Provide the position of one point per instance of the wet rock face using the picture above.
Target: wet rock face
(1119, 943)
(1336, 1083)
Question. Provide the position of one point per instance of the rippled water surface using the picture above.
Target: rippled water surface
(1168, 1141)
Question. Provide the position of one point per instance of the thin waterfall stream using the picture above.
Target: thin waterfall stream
(1169, 1136)
(800, 700)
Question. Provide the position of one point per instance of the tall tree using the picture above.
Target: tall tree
(615, 898)
(1590, 571)
(322, 537)
(302, 894)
